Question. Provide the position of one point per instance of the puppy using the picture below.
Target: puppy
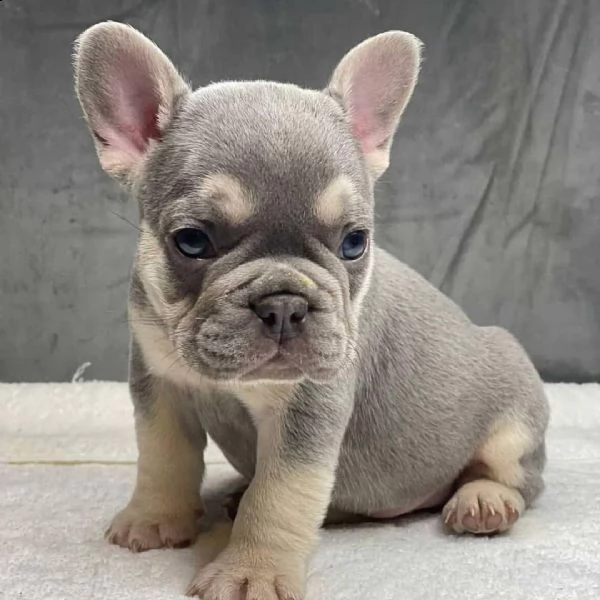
(332, 376)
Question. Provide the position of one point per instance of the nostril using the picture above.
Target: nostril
(298, 316)
(267, 312)
(270, 320)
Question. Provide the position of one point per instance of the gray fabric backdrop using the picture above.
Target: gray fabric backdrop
(492, 193)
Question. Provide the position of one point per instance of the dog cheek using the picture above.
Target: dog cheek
(327, 339)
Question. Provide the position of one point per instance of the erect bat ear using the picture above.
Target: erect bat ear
(128, 90)
(374, 83)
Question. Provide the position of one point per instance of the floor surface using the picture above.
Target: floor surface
(67, 458)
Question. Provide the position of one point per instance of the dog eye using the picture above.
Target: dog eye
(193, 243)
(354, 245)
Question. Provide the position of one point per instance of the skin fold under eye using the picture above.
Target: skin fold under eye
(193, 243)
(354, 245)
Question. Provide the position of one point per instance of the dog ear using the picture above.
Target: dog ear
(374, 83)
(128, 90)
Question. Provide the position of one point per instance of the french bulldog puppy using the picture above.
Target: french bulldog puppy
(332, 376)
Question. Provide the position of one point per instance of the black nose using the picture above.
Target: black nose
(282, 314)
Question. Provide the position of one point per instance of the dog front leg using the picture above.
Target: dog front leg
(165, 505)
(279, 516)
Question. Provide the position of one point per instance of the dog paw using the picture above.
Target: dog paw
(483, 507)
(140, 528)
(233, 576)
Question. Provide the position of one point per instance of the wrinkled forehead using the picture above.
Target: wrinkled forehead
(260, 148)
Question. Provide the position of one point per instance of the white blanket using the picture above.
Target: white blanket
(67, 457)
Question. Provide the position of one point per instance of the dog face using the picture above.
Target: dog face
(256, 231)
(256, 199)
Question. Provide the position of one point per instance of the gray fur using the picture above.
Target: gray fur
(426, 395)
(389, 379)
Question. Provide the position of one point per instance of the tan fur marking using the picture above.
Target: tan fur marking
(502, 451)
(260, 396)
(291, 502)
(278, 519)
(151, 262)
(167, 459)
(483, 506)
(362, 292)
(166, 502)
(231, 199)
(159, 352)
(265, 402)
(378, 161)
(160, 355)
(329, 206)
(291, 507)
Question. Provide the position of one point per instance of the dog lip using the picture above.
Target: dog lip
(276, 365)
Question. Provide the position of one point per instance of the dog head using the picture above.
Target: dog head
(255, 198)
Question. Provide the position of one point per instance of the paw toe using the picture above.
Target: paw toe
(115, 536)
(286, 590)
(491, 518)
(471, 519)
(258, 589)
(178, 534)
(144, 536)
(450, 517)
(512, 514)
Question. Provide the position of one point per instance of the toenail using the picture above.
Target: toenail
(450, 518)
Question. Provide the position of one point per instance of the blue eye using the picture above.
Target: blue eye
(354, 245)
(193, 243)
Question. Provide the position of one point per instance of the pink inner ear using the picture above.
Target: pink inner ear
(364, 130)
(367, 106)
(132, 120)
(142, 127)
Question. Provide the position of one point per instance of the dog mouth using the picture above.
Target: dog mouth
(285, 364)
(265, 355)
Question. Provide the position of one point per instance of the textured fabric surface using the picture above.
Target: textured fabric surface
(52, 516)
(492, 193)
